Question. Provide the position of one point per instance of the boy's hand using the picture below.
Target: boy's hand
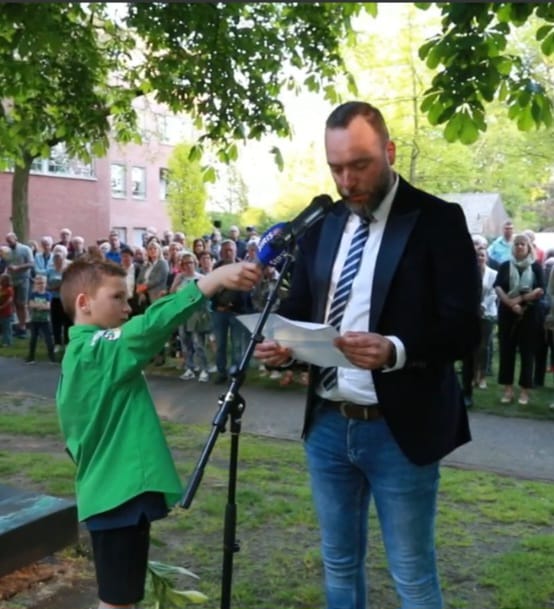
(241, 276)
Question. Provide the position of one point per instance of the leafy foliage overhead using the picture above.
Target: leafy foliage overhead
(227, 63)
(474, 67)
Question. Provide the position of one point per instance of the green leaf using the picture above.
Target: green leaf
(278, 157)
(547, 46)
(469, 132)
(452, 129)
(543, 31)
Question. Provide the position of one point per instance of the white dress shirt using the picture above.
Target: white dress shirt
(356, 384)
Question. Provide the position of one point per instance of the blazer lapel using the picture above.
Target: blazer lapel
(329, 241)
(400, 223)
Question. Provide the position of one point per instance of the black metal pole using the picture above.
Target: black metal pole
(231, 404)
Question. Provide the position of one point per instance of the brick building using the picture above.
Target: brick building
(124, 190)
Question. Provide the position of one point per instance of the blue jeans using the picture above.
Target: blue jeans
(226, 324)
(350, 461)
(6, 326)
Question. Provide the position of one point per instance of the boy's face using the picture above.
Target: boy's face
(108, 307)
(40, 285)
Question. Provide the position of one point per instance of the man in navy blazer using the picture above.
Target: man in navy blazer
(380, 428)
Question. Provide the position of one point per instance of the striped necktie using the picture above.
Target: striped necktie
(328, 376)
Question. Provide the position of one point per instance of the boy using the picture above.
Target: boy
(39, 310)
(125, 473)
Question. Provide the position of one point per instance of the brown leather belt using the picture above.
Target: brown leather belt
(371, 412)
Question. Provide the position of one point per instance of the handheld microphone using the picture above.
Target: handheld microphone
(273, 243)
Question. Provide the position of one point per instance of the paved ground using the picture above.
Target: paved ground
(517, 447)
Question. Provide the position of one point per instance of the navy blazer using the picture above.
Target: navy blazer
(426, 291)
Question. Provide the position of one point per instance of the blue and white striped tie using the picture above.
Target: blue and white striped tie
(328, 376)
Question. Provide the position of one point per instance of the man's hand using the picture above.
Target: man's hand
(272, 353)
(366, 349)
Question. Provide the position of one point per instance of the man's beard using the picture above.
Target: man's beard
(373, 198)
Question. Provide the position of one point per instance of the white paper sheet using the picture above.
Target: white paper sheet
(309, 342)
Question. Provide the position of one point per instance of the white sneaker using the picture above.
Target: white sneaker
(204, 377)
(187, 375)
(275, 374)
(212, 368)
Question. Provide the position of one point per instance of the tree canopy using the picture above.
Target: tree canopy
(69, 71)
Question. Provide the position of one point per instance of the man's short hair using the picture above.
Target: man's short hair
(85, 275)
(344, 114)
(127, 250)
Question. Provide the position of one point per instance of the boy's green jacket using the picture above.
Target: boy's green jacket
(106, 412)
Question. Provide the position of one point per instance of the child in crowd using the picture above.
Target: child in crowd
(39, 311)
(126, 477)
(6, 309)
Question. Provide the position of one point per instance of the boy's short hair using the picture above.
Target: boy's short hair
(127, 250)
(85, 274)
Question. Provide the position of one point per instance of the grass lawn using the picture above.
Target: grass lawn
(494, 534)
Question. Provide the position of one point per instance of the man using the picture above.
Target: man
(78, 245)
(114, 251)
(43, 260)
(19, 267)
(65, 240)
(500, 249)
(234, 234)
(380, 428)
(226, 305)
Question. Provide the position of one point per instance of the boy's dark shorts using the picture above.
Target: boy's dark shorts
(121, 559)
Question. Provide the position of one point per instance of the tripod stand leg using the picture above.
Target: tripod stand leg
(230, 543)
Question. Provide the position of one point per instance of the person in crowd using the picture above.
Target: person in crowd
(168, 237)
(43, 259)
(174, 250)
(537, 251)
(115, 247)
(132, 270)
(226, 305)
(474, 365)
(6, 310)
(112, 431)
(152, 283)
(195, 331)
(234, 234)
(519, 285)
(140, 255)
(500, 250)
(19, 267)
(150, 232)
(205, 263)
(78, 245)
(216, 240)
(60, 320)
(545, 356)
(104, 247)
(5, 255)
(39, 311)
(198, 248)
(65, 240)
(180, 238)
(393, 268)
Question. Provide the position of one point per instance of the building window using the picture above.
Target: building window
(60, 164)
(138, 177)
(138, 235)
(119, 179)
(163, 184)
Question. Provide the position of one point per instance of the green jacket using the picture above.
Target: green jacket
(106, 412)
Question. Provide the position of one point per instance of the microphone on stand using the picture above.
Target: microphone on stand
(273, 243)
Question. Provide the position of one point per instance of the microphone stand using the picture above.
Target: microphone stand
(231, 404)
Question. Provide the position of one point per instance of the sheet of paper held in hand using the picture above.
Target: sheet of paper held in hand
(309, 342)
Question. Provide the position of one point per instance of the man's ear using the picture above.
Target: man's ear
(391, 152)
(82, 303)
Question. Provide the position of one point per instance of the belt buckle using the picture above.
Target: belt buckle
(342, 409)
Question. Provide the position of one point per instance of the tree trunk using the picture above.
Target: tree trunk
(20, 199)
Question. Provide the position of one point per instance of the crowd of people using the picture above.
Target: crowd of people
(30, 304)
(517, 315)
